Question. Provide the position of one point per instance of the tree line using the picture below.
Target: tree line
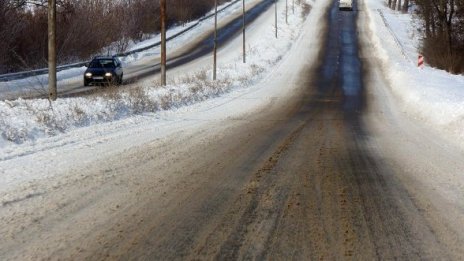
(84, 28)
(442, 29)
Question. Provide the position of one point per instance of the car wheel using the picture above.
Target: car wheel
(86, 83)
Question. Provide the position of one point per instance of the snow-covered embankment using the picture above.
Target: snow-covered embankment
(430, 95)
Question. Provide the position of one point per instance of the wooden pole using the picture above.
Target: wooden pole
(244, 44)
(163, 41)
(286, 11)
(52, 50)
(275, 4)
(215, 40)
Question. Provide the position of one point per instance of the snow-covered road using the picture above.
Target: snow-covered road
(292, 163)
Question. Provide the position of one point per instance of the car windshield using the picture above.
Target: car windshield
(102, 64)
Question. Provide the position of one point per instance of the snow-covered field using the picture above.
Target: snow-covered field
(430, 95)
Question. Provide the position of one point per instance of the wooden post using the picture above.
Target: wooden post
(243, 32)
(286, 11)
(163, 41)
(275, 4)
(52, 50)
(215, 40)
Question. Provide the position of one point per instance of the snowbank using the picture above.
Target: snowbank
(431, 95)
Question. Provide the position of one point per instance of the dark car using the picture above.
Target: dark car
(104, 70)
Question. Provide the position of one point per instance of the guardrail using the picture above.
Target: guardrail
(20, 75)
(25, 74)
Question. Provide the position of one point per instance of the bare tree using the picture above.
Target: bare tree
(405, 6)
(443, 44)
(10, 29)
(445, 11)
(24, 28)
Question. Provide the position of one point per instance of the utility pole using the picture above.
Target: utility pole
(52, 50)
(163, 41)
(286, 11)
(215, 40)
(275, 4)
(293, 6)
(244, 45)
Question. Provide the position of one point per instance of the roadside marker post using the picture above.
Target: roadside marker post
(420, 61)
(163, 41)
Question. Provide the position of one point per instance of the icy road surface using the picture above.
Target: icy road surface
(316, 162)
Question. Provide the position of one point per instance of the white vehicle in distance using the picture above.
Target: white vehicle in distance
(346, 5)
